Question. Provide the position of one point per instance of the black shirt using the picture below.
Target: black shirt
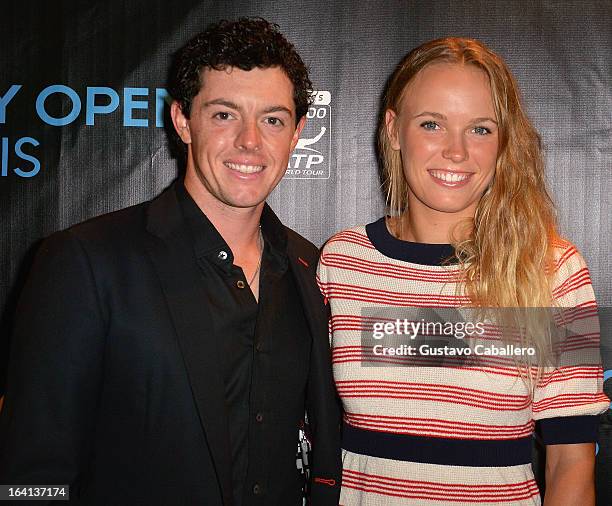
(265, 348)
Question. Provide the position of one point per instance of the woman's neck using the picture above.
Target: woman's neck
(429, 228)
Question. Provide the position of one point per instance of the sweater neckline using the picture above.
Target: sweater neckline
(407, 251)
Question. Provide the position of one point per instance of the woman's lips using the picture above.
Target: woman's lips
(450, 179)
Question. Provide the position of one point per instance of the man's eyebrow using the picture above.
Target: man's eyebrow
(278, 108)
(232, 105)
(441, 116)
(222, 101)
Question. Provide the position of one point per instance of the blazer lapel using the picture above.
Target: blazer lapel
(303, 268)
(172, 255)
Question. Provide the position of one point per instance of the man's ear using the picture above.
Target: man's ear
(392, 128)
(180, 122)
(298, 130)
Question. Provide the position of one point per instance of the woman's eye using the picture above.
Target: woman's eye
(480, 130)
(429, 125)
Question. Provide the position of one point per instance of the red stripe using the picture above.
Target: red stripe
(432, 497)
(366, 354)
(351, 238)
(392, 267)
(424, 385)
(565, 256)
(361, 243)
(573, 288)
(425, 361)
(564, 316)
(437, 427)
(447, 398)
(438, 490)
(394, 386)
(577, 280)
(346, 354)
(451, 489)
(568, 400)
(377, 296)
(352, 263)
(367, 290)
(491, 332)
(455, 486)
(434, 421)
(570, 373)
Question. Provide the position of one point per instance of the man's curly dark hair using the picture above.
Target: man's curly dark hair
(245, 43)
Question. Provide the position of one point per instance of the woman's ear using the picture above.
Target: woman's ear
(392, 128)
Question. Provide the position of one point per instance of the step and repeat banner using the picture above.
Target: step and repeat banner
(84, 115)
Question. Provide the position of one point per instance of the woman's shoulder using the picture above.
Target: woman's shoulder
(566, 256)
(571, 281)
(349, 239)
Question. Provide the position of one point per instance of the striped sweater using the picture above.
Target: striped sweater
(443, 435)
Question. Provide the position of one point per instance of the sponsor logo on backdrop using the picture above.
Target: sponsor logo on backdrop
(311, 158)
(141, 108)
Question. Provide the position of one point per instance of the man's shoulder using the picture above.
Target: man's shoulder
(114, 222)
(117, 229)
(128, 224)
(116, 233)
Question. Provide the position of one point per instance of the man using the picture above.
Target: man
(165, 354)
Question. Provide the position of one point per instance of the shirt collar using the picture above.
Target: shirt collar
(208, 242)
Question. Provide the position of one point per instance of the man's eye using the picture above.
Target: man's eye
(274, 121)
(429, 125)
(222, 115)
(480, 130)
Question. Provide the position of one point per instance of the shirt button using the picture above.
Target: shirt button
(257, 489)
(259, 417)
(240, 284)
(222, 255)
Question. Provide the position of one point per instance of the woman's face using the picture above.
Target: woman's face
(447, 132)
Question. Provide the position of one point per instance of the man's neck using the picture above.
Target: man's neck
(239, 227)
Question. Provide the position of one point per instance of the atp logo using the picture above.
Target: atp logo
(311, 158)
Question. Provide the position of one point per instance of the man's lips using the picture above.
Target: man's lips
(450, 179)
(244, 168)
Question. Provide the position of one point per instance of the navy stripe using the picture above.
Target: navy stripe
(414, 252)
(430, 450)
(568, 429)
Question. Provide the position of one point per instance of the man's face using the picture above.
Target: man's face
(239, 137)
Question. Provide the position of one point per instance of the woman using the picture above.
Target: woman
(470, 225)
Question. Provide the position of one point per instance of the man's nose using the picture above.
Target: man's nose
(249, 136)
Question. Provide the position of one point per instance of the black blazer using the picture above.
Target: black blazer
(113, 386)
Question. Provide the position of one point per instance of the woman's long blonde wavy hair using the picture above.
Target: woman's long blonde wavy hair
(507, 254)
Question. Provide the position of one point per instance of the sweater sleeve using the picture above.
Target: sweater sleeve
(322, 274)
(323, 287)
(569, 395)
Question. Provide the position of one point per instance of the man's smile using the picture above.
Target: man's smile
(244, 168)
